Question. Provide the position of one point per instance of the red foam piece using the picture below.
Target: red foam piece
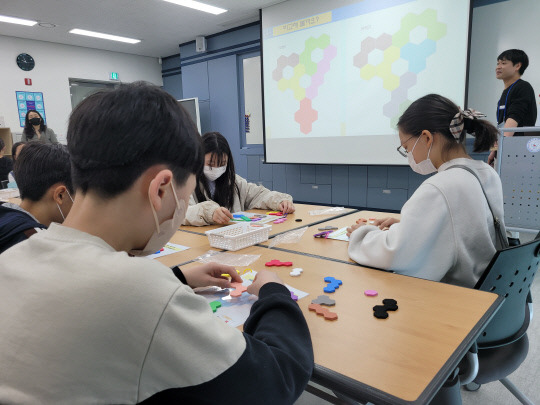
(319, 310)
(278, 263)
(239, 289)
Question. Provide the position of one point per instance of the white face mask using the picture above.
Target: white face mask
(214, 173)
(59, 209)
(425, 166)
(165, 231)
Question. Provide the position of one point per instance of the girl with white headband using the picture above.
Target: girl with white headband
(447, 231)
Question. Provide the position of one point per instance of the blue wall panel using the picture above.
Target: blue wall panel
(340, 185)
(279, 174)
(308, 174)
(253, 163)
(173, 85)
(195, 81)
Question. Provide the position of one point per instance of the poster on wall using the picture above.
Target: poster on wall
(30, 100)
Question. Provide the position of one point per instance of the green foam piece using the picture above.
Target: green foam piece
(215, 305)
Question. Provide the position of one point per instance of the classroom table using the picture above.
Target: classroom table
(403, 359)
(301, 212)
(198, 245)
(329, 248)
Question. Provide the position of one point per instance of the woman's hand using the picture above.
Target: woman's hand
(221, 216)
(353, 228)
(286, 206)
(385, 223)
(210, 274)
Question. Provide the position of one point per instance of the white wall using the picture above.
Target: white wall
(495, 28)
(55, 64)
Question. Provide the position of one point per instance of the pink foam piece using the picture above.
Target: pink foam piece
(371, 293)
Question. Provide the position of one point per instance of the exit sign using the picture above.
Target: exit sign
(114, 76)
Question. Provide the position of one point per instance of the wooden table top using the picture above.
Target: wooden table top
(335, 249)
(198, 245)
(405, 357)
(302, 212)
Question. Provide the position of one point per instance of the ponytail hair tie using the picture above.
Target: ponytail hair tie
(457, 124)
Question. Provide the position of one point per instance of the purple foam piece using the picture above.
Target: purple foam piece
(294, 296)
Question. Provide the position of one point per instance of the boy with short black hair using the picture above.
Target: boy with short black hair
(99, 326)
(44, 174)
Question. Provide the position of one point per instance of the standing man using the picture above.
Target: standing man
(517, 105)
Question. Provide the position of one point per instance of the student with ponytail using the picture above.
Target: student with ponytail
(447, 230)
(220, 191)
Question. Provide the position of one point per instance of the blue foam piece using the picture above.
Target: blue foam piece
(333, 284)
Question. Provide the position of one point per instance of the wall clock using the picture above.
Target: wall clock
(25, 62)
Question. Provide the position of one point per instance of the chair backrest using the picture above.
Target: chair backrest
(509, 274)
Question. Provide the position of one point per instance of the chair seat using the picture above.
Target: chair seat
(499, 362)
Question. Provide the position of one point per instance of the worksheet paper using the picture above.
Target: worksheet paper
(235, 310)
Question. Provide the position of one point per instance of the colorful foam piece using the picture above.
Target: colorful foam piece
(215, 305)
(333, 284)
(239, 288)
(296, 272)
(328, 228)
(322, 234)
(381, 311)
(324, 300)
(325, 312)
(277, 263)
(371, 293)
(280, 220)
(277, 213)
(294, 296)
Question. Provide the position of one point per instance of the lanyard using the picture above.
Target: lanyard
(505, 103)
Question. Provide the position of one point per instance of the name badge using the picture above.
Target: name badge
(501, 107)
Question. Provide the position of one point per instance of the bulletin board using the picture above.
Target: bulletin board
(30, 100)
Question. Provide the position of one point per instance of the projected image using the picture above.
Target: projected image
(413, 43)
(336, 81)
(305, 76)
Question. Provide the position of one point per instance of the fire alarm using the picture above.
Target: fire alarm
(28, 82)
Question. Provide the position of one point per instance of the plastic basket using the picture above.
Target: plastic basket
(238, 236)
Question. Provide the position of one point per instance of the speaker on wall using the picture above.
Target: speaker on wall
(200, 44)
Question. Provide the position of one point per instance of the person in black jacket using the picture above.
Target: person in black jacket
(517, 104)
(43, 173)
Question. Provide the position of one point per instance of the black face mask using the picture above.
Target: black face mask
(35, 121)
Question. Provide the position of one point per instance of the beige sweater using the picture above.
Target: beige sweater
(251, 196)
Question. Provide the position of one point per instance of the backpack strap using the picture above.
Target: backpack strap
(501, 239)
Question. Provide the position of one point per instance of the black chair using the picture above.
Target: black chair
(503, 345)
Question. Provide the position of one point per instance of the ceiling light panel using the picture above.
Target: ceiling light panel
(13, 20)
(197, 5)
(104, 36)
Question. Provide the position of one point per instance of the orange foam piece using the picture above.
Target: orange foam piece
(239, 289)
(331, 316)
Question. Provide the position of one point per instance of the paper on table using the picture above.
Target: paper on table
(340, 234)
(235, 310)
(168, 249)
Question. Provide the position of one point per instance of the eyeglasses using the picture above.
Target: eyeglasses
(401, 150)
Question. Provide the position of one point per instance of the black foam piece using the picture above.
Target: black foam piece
(298, 220)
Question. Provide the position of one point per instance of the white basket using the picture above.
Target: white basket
(238, 236)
